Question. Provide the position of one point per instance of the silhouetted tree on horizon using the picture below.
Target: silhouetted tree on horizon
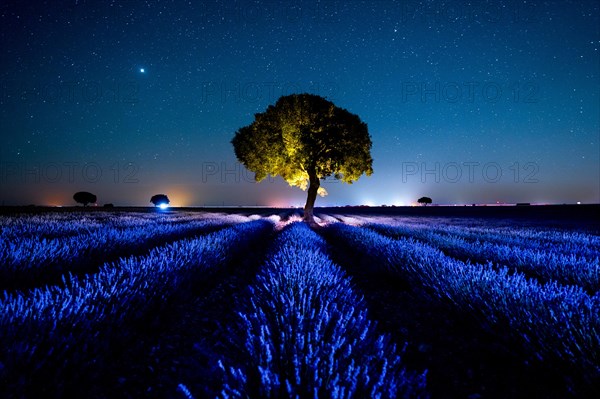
(85, 198)
(424, 201)
(305, 138)
(159, 199)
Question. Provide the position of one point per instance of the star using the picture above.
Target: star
(142, 70)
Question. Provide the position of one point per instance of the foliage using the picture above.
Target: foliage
(305, 138)
(85, 198)
(159, 199)
(299, 326)
(58, 332)
(553, 322)
(307, 333)
(28, 262)
(424, 200)
(579, 266)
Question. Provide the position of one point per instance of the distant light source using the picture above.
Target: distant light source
(578, 202)
(142, 70)
(163, 206)
(368, 203)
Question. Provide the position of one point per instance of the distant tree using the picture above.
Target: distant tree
(85, 198)
(424, 201)
(159, 199)
(305, 138)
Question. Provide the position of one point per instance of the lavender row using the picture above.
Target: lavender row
(554, 241)
(554, 322)
(57, 225)
(57, 334)
(50, 225)
(555, 236)
(305, 332)
(34, 262)
(498, 229)
(565, 242)
(544, 265)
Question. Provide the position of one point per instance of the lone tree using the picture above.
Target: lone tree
(160, 200)
(85, 198)
(305, 138)
(424, 201)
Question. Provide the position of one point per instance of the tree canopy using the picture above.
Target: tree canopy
(424, 201)
(305, 138)
(85, 198)
(159, 199)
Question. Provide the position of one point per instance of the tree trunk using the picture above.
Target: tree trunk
(315, 183)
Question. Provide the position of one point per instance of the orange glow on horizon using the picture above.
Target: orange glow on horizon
(179, 196)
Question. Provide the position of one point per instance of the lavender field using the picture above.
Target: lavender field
(123, 304)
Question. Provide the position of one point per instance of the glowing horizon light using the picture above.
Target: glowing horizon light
(368, 202)
(163, 206)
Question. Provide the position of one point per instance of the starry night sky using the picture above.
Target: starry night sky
(466, 102)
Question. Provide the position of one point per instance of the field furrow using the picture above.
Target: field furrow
(183, 341)
(304, 332)
(538, 262)
(526, 238)
(550, 326)
(255, 303)
(27, 263)
(54, 341)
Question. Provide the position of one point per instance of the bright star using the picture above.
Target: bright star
(142, 70)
